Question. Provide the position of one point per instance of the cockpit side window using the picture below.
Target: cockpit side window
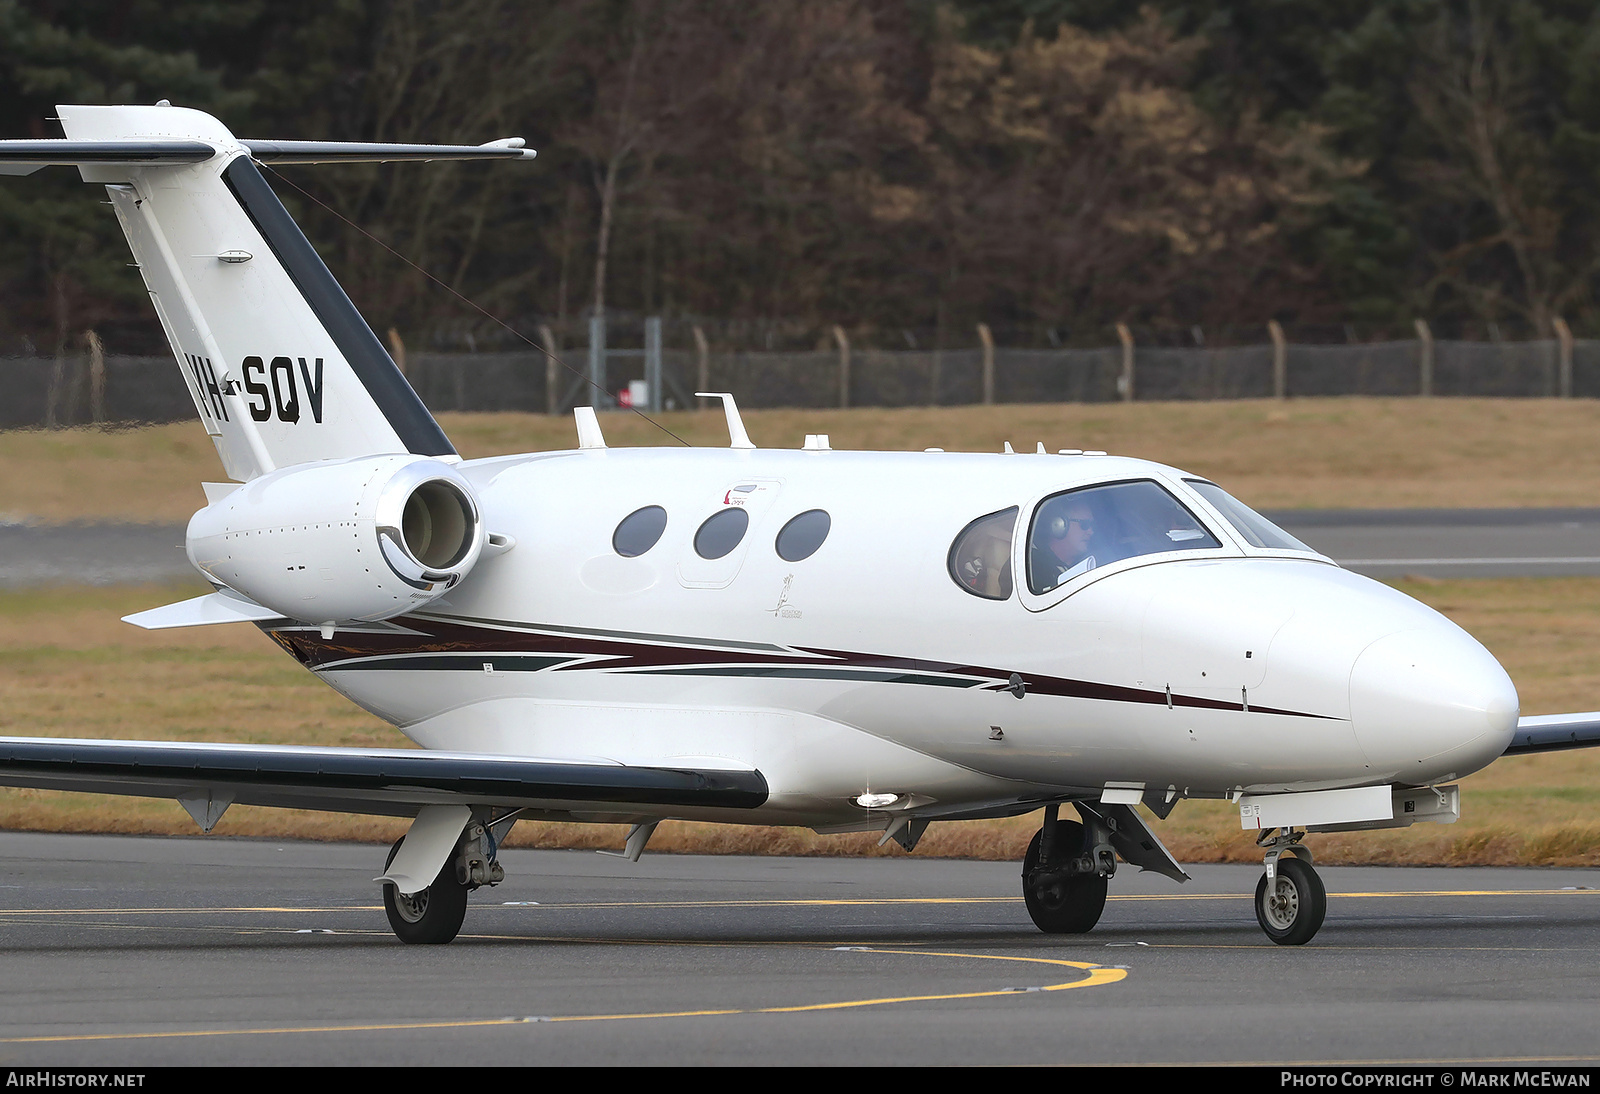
(1252, 527)
(1076, 531)
(980, 557)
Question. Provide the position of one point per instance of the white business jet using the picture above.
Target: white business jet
(849, 641)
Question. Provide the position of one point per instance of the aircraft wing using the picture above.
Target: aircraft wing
(394, 782)
(1555, 733)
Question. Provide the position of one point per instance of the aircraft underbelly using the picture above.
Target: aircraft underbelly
(939, 742)
(812, 764)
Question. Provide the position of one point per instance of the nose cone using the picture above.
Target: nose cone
(1430, 703)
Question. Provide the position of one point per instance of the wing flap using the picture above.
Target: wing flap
(355, 780)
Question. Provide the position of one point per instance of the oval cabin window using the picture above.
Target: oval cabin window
(721, 533)
(800, 538)
(639, 531)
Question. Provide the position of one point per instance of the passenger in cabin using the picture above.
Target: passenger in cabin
(980, 558)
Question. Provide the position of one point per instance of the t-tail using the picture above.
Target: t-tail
(282, 368)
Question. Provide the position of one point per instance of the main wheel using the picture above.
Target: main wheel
(1291, 909)
(1068, 906)
(431, 917)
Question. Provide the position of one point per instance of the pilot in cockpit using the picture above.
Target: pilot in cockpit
(1063, 550)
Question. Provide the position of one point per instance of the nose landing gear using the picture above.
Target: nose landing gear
(1290, 899)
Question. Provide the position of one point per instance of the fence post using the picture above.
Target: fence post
(703, 351)
(597, 361)
(985, 337)
(1425, 358)
(1125, 380)
(58, 372)
(397, 350)
(652, 362)
(552, 374)
(844, 366)
(1564, 336)
(1280, 361)
(97, 377)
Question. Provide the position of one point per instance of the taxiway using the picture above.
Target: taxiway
(142, 951)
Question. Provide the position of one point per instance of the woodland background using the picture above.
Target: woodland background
(904, 168)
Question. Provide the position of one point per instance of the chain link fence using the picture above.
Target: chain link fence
(52, 392)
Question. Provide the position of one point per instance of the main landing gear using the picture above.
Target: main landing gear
(1064, 875)
(1290, 899)
(433, 916)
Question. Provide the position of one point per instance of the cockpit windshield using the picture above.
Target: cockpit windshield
(1076, 531)
(1252, 527)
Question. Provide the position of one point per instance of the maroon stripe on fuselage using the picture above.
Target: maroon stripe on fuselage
(624, 654)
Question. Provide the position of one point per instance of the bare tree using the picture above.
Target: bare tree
(1487, 165)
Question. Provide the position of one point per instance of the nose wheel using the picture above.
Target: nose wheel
(1290, 899)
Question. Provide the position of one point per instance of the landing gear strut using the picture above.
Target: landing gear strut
(1064, 876)
(1290, 899)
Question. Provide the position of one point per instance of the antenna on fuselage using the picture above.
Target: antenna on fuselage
(738, 438)
(589, 435)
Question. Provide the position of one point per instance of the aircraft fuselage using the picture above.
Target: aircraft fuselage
(866, 667)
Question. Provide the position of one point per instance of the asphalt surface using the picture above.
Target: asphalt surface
(1379, 542)
(122, 951)
(92, 554)
(1453, 542)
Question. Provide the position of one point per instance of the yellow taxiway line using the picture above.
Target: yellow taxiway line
(1098, 976)
(802, 903)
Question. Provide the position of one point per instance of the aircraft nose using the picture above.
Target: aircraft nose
(1430, 703)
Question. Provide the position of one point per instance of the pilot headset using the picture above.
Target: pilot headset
(1055, 525)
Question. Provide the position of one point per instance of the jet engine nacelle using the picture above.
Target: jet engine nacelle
(344, 540)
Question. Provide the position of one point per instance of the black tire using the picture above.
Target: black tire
(431, 917)
(1071, 906)
(1297, 905)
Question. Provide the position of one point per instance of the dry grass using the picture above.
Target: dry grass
(68, 667)
(1309, 453)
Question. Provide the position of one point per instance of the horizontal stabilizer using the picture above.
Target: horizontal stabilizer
(391, 782)
(1555, 733)
(509, 148)
(26, 157)
(202, 611)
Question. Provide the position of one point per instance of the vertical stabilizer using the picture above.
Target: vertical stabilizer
(281, 366)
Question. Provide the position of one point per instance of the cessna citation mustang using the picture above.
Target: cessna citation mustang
(850, 641)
